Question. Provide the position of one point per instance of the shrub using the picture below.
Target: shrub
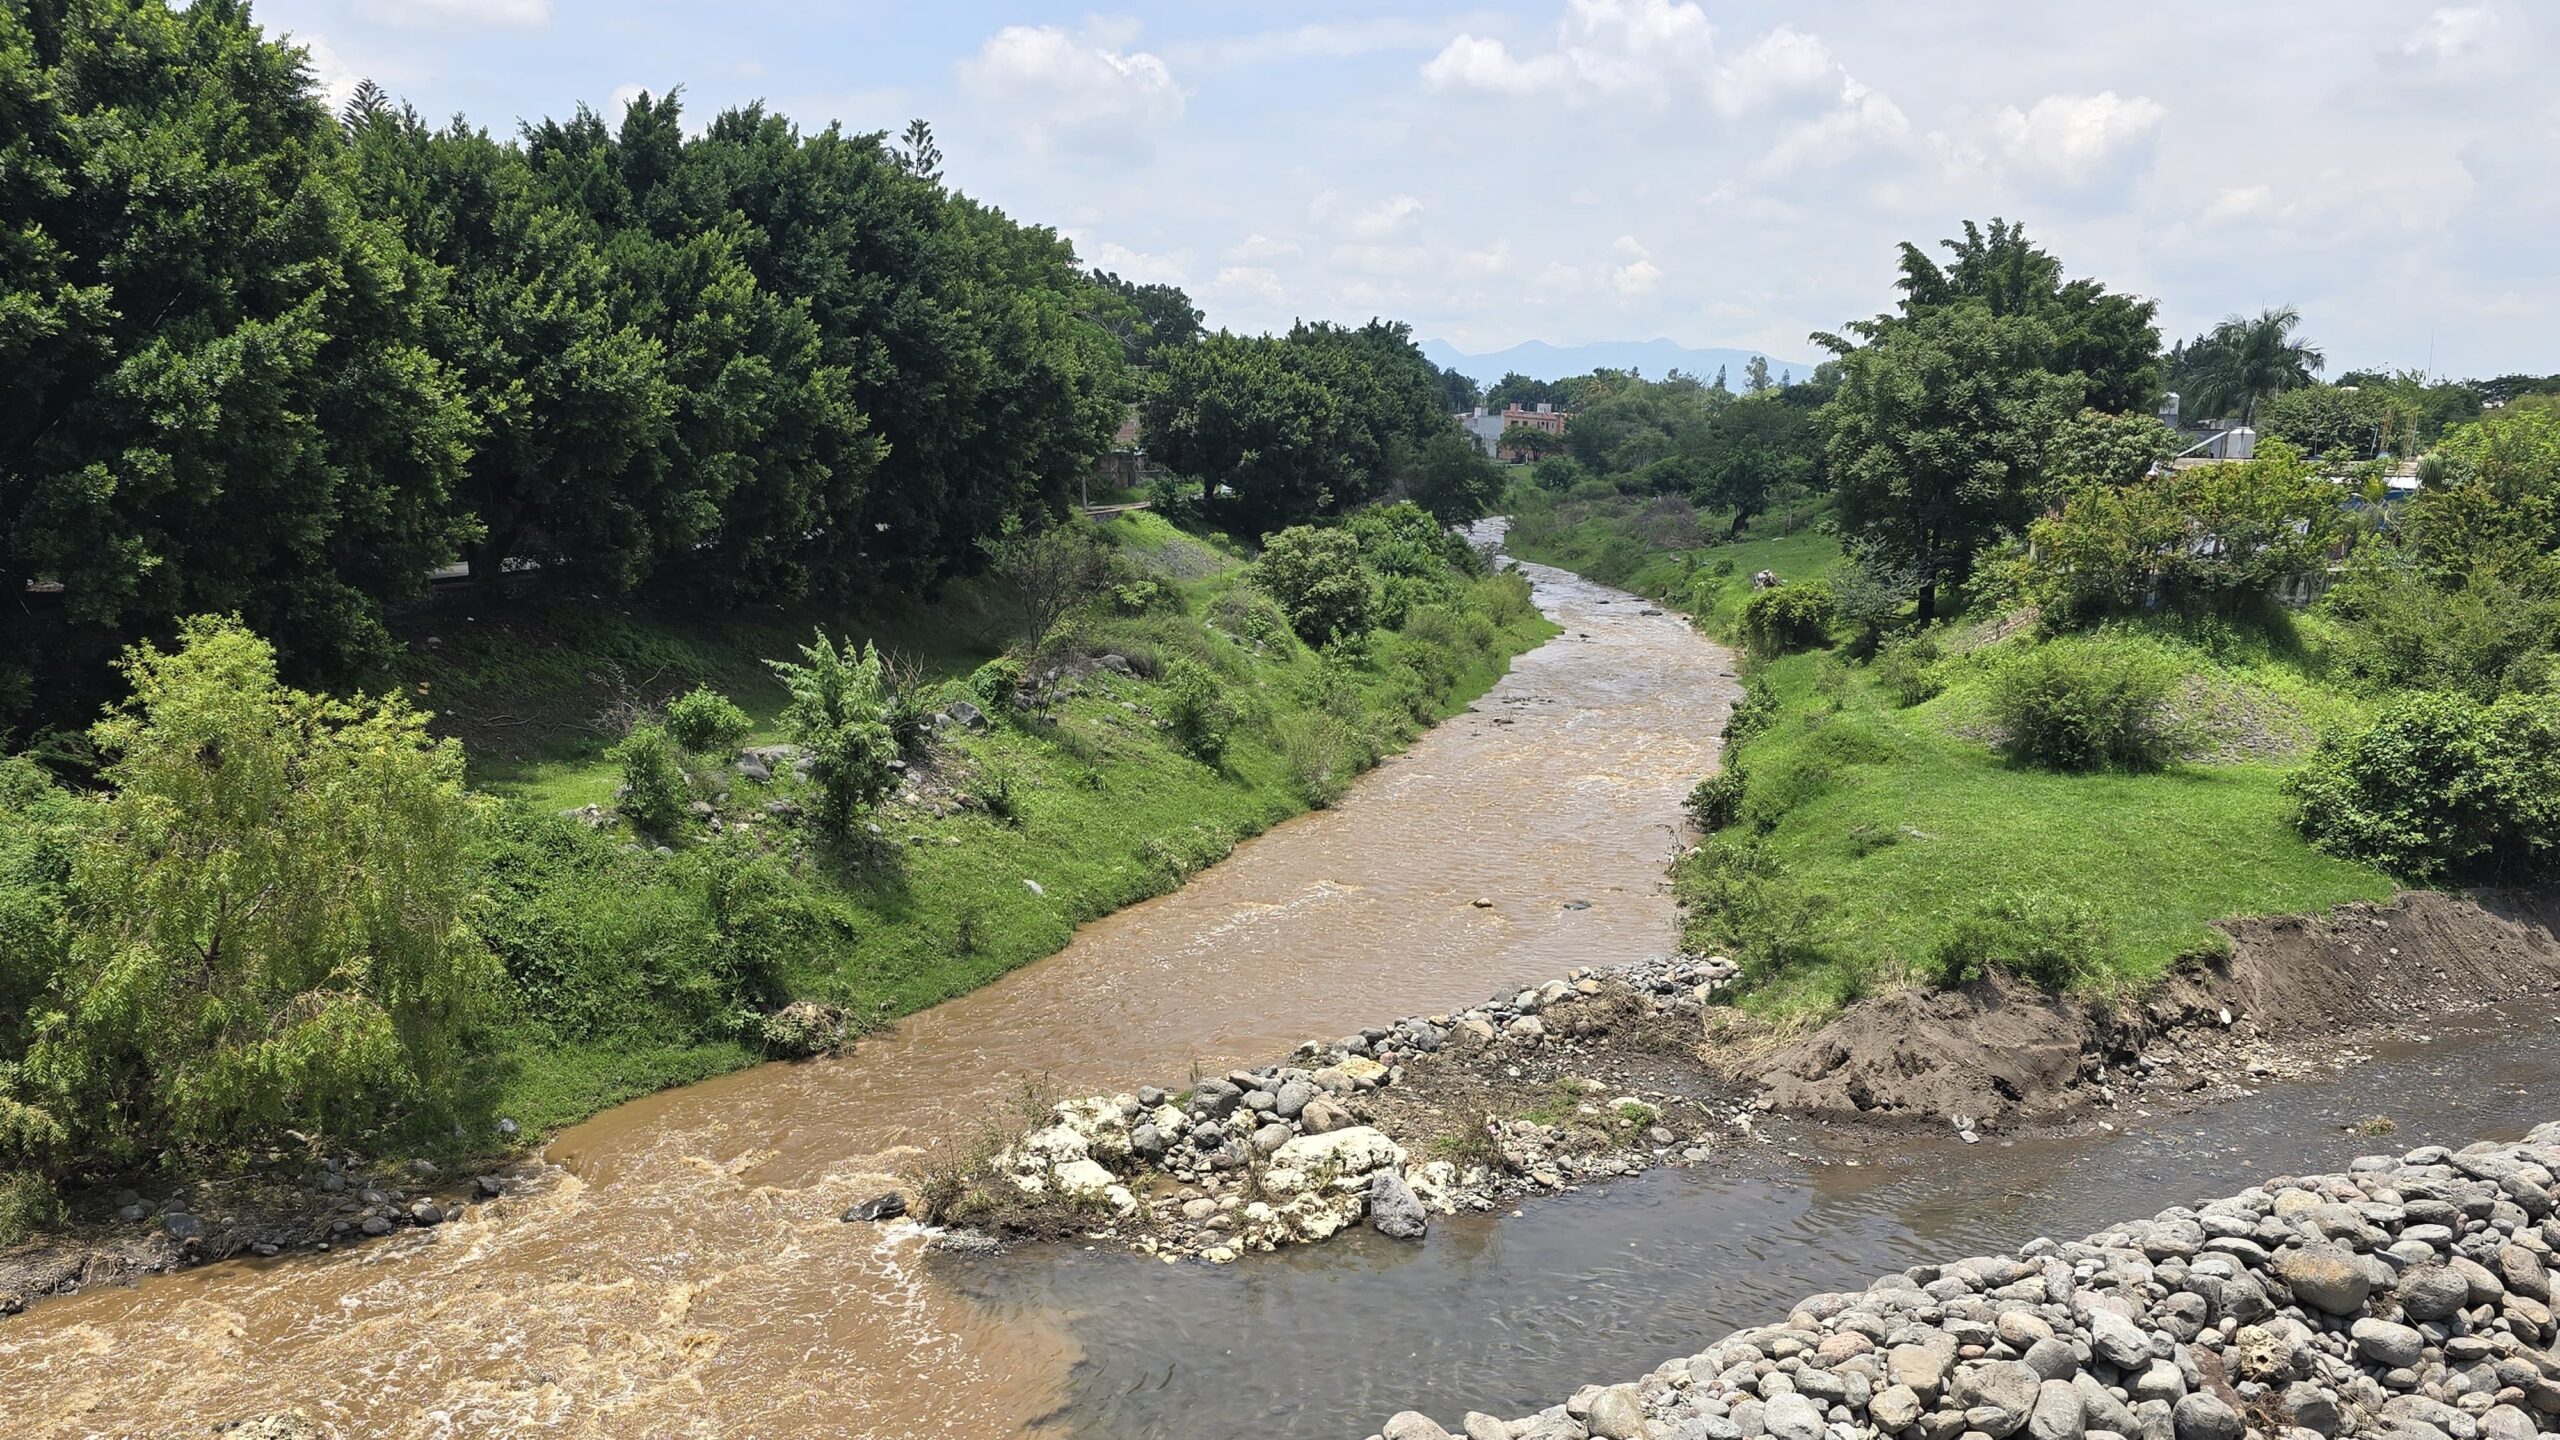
(705, 721)
(1738, 902)
(1908, 670)
(994, 684)
(1504, 598)
(1319, 580)
(839, 716)
(1716, 802)
(28, 1206)
(275, 914)
(2046, 940)
(1323, 753)
(2086, 703)
(1558, 474)
(1754, 713)
(653, 781)
(1782, 618)
(1198, 711)
(2441, 788)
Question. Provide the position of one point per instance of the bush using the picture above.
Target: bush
(2086, 703)
(2441, 788)
(995, 683)
(28, 1206)
(653, 781)
(1783, 618)
(1739, 903)
(1558, 474)
(1716, 802)
(275, 916)
(705, 721)
(2045, 940)
(1753, 714)
(1198, 711)
(1319, 580)
(1908, 670)
(839, 716)
(1323, 753)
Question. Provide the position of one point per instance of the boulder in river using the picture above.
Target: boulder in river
(879, 1207)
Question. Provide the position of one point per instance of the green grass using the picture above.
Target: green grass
(1106, 809)
(1880, 826)
(1893, 823)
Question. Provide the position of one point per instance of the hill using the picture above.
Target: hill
(1654, 358)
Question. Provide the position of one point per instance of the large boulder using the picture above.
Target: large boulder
(1339, 1159)
(2328, 1278)
(1394, 1210)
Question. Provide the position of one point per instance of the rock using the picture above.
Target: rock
(2388, 1345)
(1292, 1099)
(2117, 1340)
(879, 1207)
(1921, 1369)
(1480, 1426)
(2059, 1413)
(1268, 1139)
(2327, 1277)
(1332, 1159)
(1997, 1396)
(427, 1212)
(1412, 1425)
(2052, 1359)
(1790, 1417)
(2432, 1292)
(182, 1226)
(2524, 1273)
(1895, 1407)
(1215, 1099)
(375, 1225)
(2311, 1407)
(2203, 1416)
(1323, 1117)
(1393, 1210)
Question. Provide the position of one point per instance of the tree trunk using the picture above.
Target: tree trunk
(1928, 602)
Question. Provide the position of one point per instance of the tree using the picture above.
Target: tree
(2212, 536)
(839, 716)
(1749, 451)
(1935, 440)
(271, 911)
(215, 392)
(1528, 440)
(2244, 361)
(2094, 448)
(1720, 386)
(2106, 339)
(1050, 572)
(1144, 318)
(2329, 420)
(922, 158)
(1317, 577)
(1755, 375)
(1451, 477)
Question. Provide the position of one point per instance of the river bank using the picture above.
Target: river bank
(1604, 1074)
(2409, 1295)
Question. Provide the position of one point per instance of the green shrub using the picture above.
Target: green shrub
(2086, 703)
(2441, 788)
(1323, 753)
(1320, 582)
(1784, 618)
(1198, 711)
(654, 789)
(1738, 902)
(706, 722)
(28, 1206)
(1754, 713)
(2045, 940)
(994, 684)
(1908, 670)
(1716, 802)
(839, 716)
(1504, 599)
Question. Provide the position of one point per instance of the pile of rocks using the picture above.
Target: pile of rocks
(2409, 1297)
(1287, 1153)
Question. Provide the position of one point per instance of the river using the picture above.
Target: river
(684, 1274)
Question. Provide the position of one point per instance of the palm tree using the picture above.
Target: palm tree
(2244, 361)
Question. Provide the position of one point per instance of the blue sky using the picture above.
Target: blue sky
(1573, 170)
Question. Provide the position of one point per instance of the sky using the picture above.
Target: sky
(1721, 174)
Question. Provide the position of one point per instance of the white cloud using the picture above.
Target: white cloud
(623, 95)
(1143, 266)
(1075, 91)
(1322, 40)
(1865, 119)
(1782, 64)
(330, 71)
(1388, 217)
(1258, 246)
(456, 14)
(2462, 38)
(1641, 49)
(2076, 139)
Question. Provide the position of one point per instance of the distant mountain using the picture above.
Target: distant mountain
(1654, 358)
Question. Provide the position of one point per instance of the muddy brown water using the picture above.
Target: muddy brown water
(685, 1274)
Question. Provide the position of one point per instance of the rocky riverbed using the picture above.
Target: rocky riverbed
(2408, 1297)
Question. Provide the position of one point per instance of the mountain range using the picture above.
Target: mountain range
(1652, 358)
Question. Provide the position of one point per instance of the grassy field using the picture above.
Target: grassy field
(1001, 845)
(1868, 830)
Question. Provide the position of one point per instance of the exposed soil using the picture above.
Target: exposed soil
(2002, 1050)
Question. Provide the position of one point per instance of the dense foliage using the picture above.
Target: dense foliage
(273, 364)
(2443, 788)
(2225, 537)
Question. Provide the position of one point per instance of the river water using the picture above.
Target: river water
(683, 1272)
(686, 1274)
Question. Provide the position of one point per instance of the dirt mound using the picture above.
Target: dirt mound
(2000, 1049)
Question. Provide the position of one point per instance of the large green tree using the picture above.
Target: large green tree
(2245, 360)
(216, 390)
(2107, 339)
(1936, 438)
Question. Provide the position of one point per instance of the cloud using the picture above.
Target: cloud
(2075, 140)
(1780, 65)
(330, 73)
(1322, 40)
(1075, 91)
(456, 14)
(1865, 119)
(2463, 40)
(1645, 49)
(1258, 246)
